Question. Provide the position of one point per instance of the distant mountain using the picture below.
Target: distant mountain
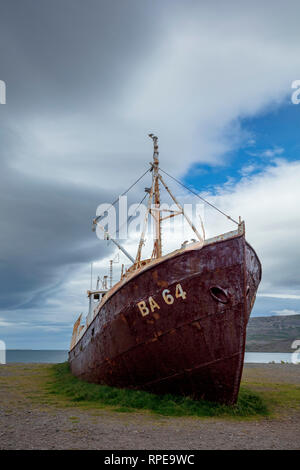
(272, 334)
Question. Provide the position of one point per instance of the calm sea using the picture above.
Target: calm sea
(36, 355)
(54, 356)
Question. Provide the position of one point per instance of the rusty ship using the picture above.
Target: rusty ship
(176, 322)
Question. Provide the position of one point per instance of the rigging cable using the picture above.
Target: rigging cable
(200, 197)
(123, 194)
(130, 216)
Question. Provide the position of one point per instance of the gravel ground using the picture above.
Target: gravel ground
(28, 422)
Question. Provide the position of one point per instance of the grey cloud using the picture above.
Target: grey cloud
(86, 81)
(44, 229)
(69, 54)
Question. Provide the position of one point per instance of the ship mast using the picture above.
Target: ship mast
(154, 199)
(154, 208)
(156, 212)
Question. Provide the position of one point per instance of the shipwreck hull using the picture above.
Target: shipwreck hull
(178, 326)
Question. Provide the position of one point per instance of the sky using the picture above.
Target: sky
(86, 81)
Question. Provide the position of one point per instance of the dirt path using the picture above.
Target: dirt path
(29, 421)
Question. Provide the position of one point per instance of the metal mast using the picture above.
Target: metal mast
(156, 212)
(154, 200)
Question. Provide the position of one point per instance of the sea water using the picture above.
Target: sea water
(55, 356)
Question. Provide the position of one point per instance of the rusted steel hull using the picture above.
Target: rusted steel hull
(193, 345)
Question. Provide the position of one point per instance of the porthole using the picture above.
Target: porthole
(219, 294)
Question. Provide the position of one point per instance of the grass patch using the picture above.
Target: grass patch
(64, 384)
(281, 398)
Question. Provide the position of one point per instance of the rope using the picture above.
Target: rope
(132, 214)
(202, 199)
(123, 194)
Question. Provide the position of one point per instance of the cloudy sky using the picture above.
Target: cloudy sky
(85, 83)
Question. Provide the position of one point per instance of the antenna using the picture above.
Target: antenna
(111, 262)
(91, 276)
(110, 273)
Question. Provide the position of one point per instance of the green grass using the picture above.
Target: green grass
(281, 398)
(75, 391)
